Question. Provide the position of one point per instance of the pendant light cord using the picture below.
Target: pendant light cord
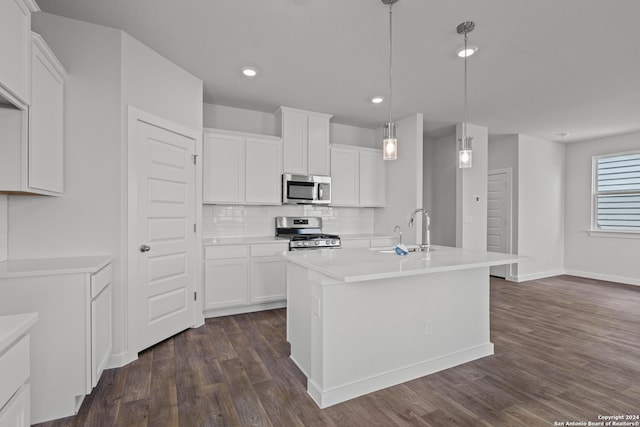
(390, 58)
(464, 121)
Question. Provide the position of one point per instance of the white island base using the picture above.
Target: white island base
(351, 337)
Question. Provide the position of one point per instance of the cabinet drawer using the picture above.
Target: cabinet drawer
(14, 369)
(16, 412)
(226, 251)
(269, 249)
(101, 279)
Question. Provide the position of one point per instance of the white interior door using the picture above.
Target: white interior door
(166, 233)
(499, 217)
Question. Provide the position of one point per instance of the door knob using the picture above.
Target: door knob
(145, 248)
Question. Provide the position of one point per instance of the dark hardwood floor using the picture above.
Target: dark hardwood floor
(566, 349)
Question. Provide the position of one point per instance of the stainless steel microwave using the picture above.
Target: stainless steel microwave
(306, 189)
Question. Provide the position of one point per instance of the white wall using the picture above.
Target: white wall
(238, 119)
(541, 207)
(440, 172)
(156, 85)
(404, 181)
(4, 226)
(353, 135)
(605, 257)
(471, 194)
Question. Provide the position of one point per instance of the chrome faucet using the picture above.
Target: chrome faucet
(426, 229)
(399, 230)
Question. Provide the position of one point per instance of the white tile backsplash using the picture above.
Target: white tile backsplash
(4, 227)
(254, 221)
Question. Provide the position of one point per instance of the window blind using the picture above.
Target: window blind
(618, 192)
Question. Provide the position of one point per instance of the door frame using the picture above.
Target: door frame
(130, 227)
(509, 214)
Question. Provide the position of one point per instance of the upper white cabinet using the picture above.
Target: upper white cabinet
(46, 156)
(15, 26)
(358, 177)
(241, 168)
(32, 151)
(305, 138)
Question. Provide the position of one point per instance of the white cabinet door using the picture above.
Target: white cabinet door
(268, 280)
(318, 141)
(45, 169)
(226, 283)
(263, 171)
(373, 179)
(15, 25)
(294, 139)
(16, 412)
(223, 171)
(101, 336)
(344, 177)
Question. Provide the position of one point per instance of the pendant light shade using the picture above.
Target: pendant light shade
(465, 152)
(390, 141)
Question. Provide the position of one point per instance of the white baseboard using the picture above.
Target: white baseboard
(244, 309)
(607, 277)
(341, 393)
(534, 276)
(121, 359)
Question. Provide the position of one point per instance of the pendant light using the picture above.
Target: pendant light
(465, 154)
(390, 141)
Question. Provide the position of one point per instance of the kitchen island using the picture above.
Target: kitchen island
(360, 320)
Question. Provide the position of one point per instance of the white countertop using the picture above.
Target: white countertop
(355, 265)
(50, 266)
(13, 327)
(214, 241)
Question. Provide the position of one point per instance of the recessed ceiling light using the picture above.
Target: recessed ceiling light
(462, 53)
(377, 99)
(563, 134)
(249, 71)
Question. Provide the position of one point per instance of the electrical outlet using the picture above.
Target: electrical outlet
(428, 327)
(316, 306)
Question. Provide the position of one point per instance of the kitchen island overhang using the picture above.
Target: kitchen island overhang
(359, 320)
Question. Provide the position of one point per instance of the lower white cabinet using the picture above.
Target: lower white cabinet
(244, 278)
(358, 177)
(15, 354)
(72, 341)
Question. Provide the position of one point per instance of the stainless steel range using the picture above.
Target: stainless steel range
(305, 233)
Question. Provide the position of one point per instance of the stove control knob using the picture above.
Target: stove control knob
(305, 243)
(329, 242)
(317, 242)
(333, 242)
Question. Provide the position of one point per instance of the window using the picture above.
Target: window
(616, 192)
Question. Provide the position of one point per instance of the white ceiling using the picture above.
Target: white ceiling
(544, 66)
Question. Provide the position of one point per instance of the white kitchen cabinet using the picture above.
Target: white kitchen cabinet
(358, 177)
(241, 168)
(32, 153)
(46, 117)
(223, 168)
(244, 278)
(15, 47)
(15, 354)
(372, 178)
(345, 181)
(71, 342)
(305, 138)
(226, 283)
